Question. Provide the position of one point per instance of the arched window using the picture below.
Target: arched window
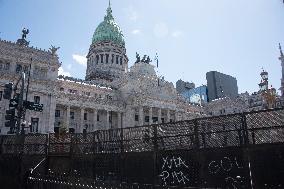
(121, 60)
(102, 58)
(116, 59)
(97, 59)
(107, 55)
(112, 58)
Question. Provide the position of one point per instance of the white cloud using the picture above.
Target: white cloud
(136, 32)
(62, 72)
(80, 59)
(131, 13)
(177, 33)
(161, 30)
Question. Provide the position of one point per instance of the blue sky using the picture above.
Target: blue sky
(236, 37)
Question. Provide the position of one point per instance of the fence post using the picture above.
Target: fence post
(245, 130)
(47, 154)
(121, 155)
(155, 154)
(1, 142)
(196, 135)
(94, 156)
(246, 149)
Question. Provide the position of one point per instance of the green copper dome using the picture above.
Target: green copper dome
(108, 30)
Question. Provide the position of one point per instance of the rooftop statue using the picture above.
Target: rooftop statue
(144, 59)
(24, 33)
(137, 58)
(148, 60)
(53, 49)
(23, 41)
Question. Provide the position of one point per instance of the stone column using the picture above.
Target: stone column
(141, 116)
(118, 120)
(168, 115)
(150, 116)
(104, 58)
(51, 116)
(81, 126)
(159, 115)
(176, 116)
(95, 119)
(184, 116)
(107, 120)
(67, 122)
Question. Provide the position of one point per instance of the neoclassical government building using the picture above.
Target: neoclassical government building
(110, 96)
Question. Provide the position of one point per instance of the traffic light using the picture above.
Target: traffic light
(13, 103)
(10, 117)
(8, 88)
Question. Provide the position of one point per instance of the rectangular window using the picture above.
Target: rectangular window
(85, 116)
(155, 119)
(1, 93)
(98, 117)
(71, 130)
(136, 117)
(146, 119)
(36, 99)
(72, 115)
(34, 125)
(26, 69)
(7, 66)
(57, 113)
(18, 68)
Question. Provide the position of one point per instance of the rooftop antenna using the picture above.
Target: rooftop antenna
(281, 52)
(157, 64)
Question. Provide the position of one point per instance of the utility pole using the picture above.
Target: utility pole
(21, 103)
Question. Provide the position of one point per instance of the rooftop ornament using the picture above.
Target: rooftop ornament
(146, 59)
(53, 50)
(23, 41)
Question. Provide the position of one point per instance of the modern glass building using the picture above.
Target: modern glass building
(198, 95)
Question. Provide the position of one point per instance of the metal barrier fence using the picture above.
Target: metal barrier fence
(232, 151)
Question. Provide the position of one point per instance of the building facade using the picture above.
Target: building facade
(184, 86)
(198, 95)
(109, 97)
(221, 85)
